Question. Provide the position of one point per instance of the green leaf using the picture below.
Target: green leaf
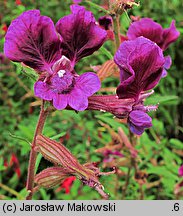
(175, 143)
(44, 194)
(155, 99)
(96, 6)
(58, 136)
(106, 52)
(38, 160)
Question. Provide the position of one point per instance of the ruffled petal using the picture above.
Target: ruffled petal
(77, 100)
(81, 35)
(88, 83)
(60, 101)
(147, 28)
(42, 90)
(141, 65)
(32, 39)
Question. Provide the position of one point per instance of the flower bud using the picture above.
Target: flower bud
(51, 177)
(58, 154)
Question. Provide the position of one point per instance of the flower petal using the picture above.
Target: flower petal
(59, 101)
(170, 35)
(42, 90)
(81, 35)
(181, 171)
(138, 121)
(147, 28)
(136, 130)
(88, 83)
(63, 63)
(141, 64)
(32, 39)
(167, 65)
(77, 100)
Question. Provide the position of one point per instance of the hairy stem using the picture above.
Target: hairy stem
(32, 159)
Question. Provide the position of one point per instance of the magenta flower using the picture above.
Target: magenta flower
(65, 87)
(33, 40)
(141, 65)
(146, 27)
(81, 35)
(181, 171)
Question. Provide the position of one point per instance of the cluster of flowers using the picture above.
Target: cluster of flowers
(53, 52)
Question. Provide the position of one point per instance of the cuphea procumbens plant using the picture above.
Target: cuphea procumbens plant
(53, 52)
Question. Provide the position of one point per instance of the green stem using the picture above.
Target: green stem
(116, 26)
(10, 190)
(33, 153)
(97, 6)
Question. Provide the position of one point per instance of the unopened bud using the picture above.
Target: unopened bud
(51, 177)
(58, 154)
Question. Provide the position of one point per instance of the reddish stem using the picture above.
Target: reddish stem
(33, 154)
(110, 103)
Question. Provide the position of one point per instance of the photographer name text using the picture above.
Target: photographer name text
(70, 207)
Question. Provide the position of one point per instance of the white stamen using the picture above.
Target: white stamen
(61, 73)
(64, 60)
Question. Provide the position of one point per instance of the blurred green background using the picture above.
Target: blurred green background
(160, 148)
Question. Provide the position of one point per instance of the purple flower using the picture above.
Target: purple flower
(141, 65)
(65, 87)
(181, 171)
(81, 35)
(33, 40)
(146, 27)
(139, 120)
